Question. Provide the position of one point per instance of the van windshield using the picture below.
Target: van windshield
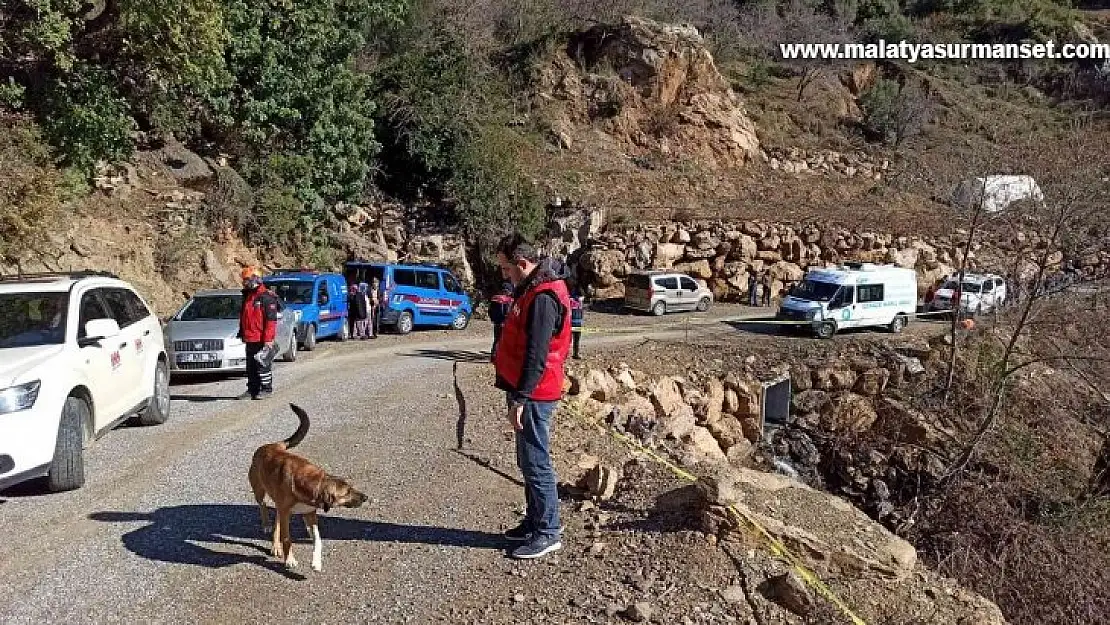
(356, 273)
(292, 292)
(969, 287)
(815, 290)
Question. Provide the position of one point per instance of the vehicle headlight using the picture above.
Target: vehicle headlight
(21, 397)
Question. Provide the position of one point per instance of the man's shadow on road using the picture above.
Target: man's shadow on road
(177, 534)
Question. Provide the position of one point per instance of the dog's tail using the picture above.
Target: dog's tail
(302, 429)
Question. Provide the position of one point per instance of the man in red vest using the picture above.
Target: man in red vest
(258, 321)
(534, 344)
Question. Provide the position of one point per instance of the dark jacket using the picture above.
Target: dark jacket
(358, 306)
(544, 321)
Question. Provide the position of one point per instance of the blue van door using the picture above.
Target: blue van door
(330, 319)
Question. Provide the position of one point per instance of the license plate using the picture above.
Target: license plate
(198, 357)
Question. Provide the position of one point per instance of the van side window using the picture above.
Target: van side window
(404, 277)
(451, 284)
(322, 294)
(427, 280)
(988, 286)
(870, 293)
(846, 296)
(667, 283)
(689, 285)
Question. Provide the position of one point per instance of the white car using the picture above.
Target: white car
(79, 354)
(980, 293)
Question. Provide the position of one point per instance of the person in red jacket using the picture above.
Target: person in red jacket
(258, 321)
(533, 348)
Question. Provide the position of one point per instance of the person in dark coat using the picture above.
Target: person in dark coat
(360, 312)
(753, 290)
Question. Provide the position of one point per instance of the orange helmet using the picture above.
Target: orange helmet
(248, 272)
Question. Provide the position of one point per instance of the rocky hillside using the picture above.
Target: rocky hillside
(711, 425)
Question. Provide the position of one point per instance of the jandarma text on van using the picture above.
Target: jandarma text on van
(912, 52)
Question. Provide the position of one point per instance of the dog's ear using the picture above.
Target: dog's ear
(308, 485)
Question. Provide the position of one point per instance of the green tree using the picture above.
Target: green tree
(297, 96)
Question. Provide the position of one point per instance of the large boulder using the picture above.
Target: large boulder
(604, 265)
(653, 88)
(667, 254)
(675, 416)
(849, 412)
(845, 543)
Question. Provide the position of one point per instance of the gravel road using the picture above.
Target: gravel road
(166, 530)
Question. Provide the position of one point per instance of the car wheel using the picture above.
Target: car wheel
(291, 352)
(460, 321)
(659, 309)
(344, 331)
(898, 324)
(157, 410)
(310, 337)
(703, 304)
(404, 322)
(825, 330)
(67, 468)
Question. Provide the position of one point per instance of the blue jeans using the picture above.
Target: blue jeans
(533, 456)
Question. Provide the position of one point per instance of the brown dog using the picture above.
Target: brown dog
(296, 486)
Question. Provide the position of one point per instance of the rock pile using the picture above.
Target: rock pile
(827, 162)
(710, 424)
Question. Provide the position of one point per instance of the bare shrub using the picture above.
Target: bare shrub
(893, 111)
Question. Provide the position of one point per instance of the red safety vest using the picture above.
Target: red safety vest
(509, 359)
(258, 318)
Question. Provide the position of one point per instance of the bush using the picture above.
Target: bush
(86, 119)
(894, 112)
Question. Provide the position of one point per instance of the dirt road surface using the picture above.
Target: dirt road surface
(165, 529)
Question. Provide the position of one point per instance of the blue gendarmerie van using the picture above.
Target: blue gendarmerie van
(415, 295)
(320, 297)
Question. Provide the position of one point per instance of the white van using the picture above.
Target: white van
(853, 295)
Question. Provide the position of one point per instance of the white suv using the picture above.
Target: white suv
(79, 353)
(979, 293)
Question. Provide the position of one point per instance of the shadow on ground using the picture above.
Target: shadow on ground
(216, 535)
(449, 355)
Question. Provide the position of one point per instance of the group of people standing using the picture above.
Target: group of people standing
(364, 304)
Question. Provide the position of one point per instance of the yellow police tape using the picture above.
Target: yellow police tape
(691, 322)
(777, 549)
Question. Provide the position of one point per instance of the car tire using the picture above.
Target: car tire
(659, 309)
(825, 330)
(404, 322)
(67, 467)
(898, 324)
(290, 354)
(461, 321)
(703, 304)
(310, 337)
(157, 410)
